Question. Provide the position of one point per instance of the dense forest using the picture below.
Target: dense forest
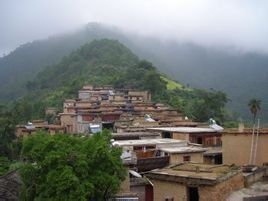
(241, 75)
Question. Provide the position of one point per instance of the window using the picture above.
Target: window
(209, 142)
(186, 158)
(199, 140)
(166, 135)
(169, 199)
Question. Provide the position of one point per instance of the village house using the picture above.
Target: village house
(207, 137)
(135, 135)
(31, 128)
(157, 153)
(120, 110)
(239, 141)
(102, 105)
(195, 181)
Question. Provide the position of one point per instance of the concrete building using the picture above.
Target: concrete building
(236, 146)
(195, 182)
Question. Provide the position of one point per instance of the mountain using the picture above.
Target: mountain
(108, 62)
(26, 61)
(241, 75)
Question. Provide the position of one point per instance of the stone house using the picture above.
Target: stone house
(156, 153)
(195, 182)
(207, 137)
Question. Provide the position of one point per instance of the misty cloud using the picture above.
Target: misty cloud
(236, 23)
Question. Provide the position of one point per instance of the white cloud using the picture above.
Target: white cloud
(238, 23)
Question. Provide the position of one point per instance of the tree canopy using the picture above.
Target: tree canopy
(254, 106)
(64, 167)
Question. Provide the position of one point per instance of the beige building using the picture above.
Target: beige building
(187, 153)
(209, 138)
(157, 153)
(236, 146)
(193, 182)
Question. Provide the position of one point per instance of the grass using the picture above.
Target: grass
(171, 85)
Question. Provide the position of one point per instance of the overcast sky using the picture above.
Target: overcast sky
(239, 23)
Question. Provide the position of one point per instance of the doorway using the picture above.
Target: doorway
(193, 194)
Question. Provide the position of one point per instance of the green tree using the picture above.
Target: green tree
(63, 167)
(4, 165)
(254, 106)
(7, 129)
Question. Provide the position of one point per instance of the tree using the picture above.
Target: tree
(7, 131)
(63, 167)
(254, 106)
(4, 165)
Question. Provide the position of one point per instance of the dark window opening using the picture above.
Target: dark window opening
(167, 135)
(193, 194)
(199, 140)
(218, 159)
(186, 158)
(109, 126)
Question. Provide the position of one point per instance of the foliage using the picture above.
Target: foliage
(7, 126)
(63, 167)
(189, 63)
(4, 165)
(105, 62)
(199, 105)
(254, 106)
(172, 85)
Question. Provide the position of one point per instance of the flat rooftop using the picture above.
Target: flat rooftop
(183, 149)
(258, 191)
(159, 141)
(245, 131)
(184, 129)
(195, 172)
(137, 134)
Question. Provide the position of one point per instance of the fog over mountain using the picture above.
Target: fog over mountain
(218, 45)
(240, 24)
(241, 75)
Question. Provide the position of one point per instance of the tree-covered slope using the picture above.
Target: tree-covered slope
(103, 62)
(241, 75)
(26, 61)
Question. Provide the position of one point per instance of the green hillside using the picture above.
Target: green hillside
(103, 62)
(241, 75)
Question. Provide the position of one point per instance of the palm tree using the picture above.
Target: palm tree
(254, 106)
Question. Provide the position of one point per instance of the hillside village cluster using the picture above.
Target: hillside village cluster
(169, 157)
